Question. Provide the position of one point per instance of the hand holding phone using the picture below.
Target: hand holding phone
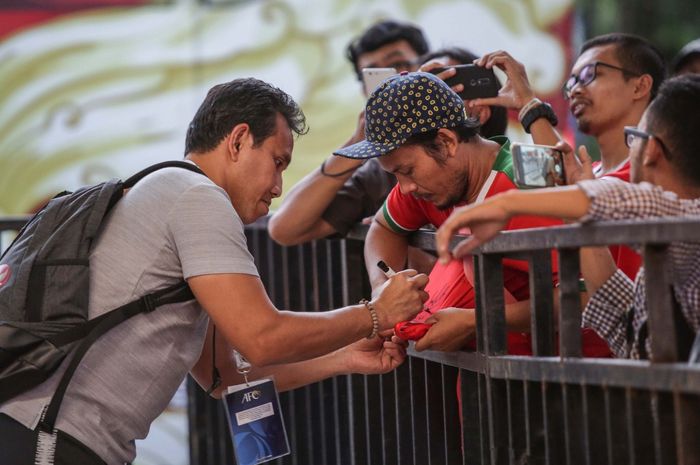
(537, 166)
(516, 91)
(372, 77)
(477, 81)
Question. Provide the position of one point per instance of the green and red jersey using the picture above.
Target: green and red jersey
(405, 213)
(448, 286)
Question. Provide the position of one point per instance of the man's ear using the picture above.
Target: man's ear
(449, 140)
(236, 138)
(653, 153)
(643, 86)
(484, 114)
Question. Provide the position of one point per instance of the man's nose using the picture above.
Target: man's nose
(576, 89)
(406, 187)
(277, 189)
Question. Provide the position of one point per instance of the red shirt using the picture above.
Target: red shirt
(625, 258)
(448, 286)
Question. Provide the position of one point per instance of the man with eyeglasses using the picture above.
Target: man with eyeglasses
(665, 171)
(611, 84)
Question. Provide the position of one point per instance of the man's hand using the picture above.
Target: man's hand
(400, 298)
(516, 92)
(480, 112)
(449, 71)
(485, 221)
(576, 168)
(373, 356)
(452, 328)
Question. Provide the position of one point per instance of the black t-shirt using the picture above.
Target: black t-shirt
(361, 196)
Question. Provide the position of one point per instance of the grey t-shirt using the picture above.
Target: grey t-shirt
(361, 196)
(173, 224)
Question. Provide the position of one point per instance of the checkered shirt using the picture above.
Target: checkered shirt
(619, 299)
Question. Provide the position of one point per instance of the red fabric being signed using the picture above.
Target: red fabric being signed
(448, 287)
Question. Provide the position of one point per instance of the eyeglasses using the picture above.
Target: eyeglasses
(632, 133)
(588, 74)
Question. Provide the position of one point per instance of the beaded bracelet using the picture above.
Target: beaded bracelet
(375, 318)
(527, 107)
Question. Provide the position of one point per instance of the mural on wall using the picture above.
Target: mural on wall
(92, 89)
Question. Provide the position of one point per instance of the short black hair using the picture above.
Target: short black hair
(458, 54)
(246, 100)
(383, 33)
(498, 122)
(465, 133)
(674, 117)
(636, 54)
(690, 51)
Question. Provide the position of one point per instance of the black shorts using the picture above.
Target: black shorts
(17, 445)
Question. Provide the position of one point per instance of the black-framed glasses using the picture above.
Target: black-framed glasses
(632, 133)
(588, 73)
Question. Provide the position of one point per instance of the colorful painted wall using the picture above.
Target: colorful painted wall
(91, 89)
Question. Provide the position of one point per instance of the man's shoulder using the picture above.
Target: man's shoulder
(170, 184)
(504, 159)
(174, 196)
(178, 176)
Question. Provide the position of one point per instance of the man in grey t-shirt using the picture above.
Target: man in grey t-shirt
(174, 225)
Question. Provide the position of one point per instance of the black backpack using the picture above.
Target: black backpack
(44, 300)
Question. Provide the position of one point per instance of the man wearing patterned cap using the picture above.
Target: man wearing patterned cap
(419, 130)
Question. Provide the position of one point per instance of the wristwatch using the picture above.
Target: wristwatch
(544, 110)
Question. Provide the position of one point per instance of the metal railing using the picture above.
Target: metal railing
(565, 409)
(544, 409)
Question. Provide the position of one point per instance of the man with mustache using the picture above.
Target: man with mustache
(611, 84)
(177, 225)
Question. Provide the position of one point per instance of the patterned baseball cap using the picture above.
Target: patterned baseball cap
(404, 105)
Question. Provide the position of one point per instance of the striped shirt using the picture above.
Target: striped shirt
(620, 299)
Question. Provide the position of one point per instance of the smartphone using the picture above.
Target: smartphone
(372, 77)
(537, 166)
(478, 82)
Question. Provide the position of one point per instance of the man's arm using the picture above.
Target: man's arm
(453, 327)
(245, 317)
(365, 356)
(299, 217)
(515, 94)
(488, 218)
(382, 243)
(597, 264)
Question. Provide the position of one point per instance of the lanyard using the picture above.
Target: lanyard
(243, 366)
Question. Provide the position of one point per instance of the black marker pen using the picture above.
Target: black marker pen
(388, 272)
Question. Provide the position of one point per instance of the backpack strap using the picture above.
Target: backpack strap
(179, 292)
(130, 182)
(95, 328)
(158, 166)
